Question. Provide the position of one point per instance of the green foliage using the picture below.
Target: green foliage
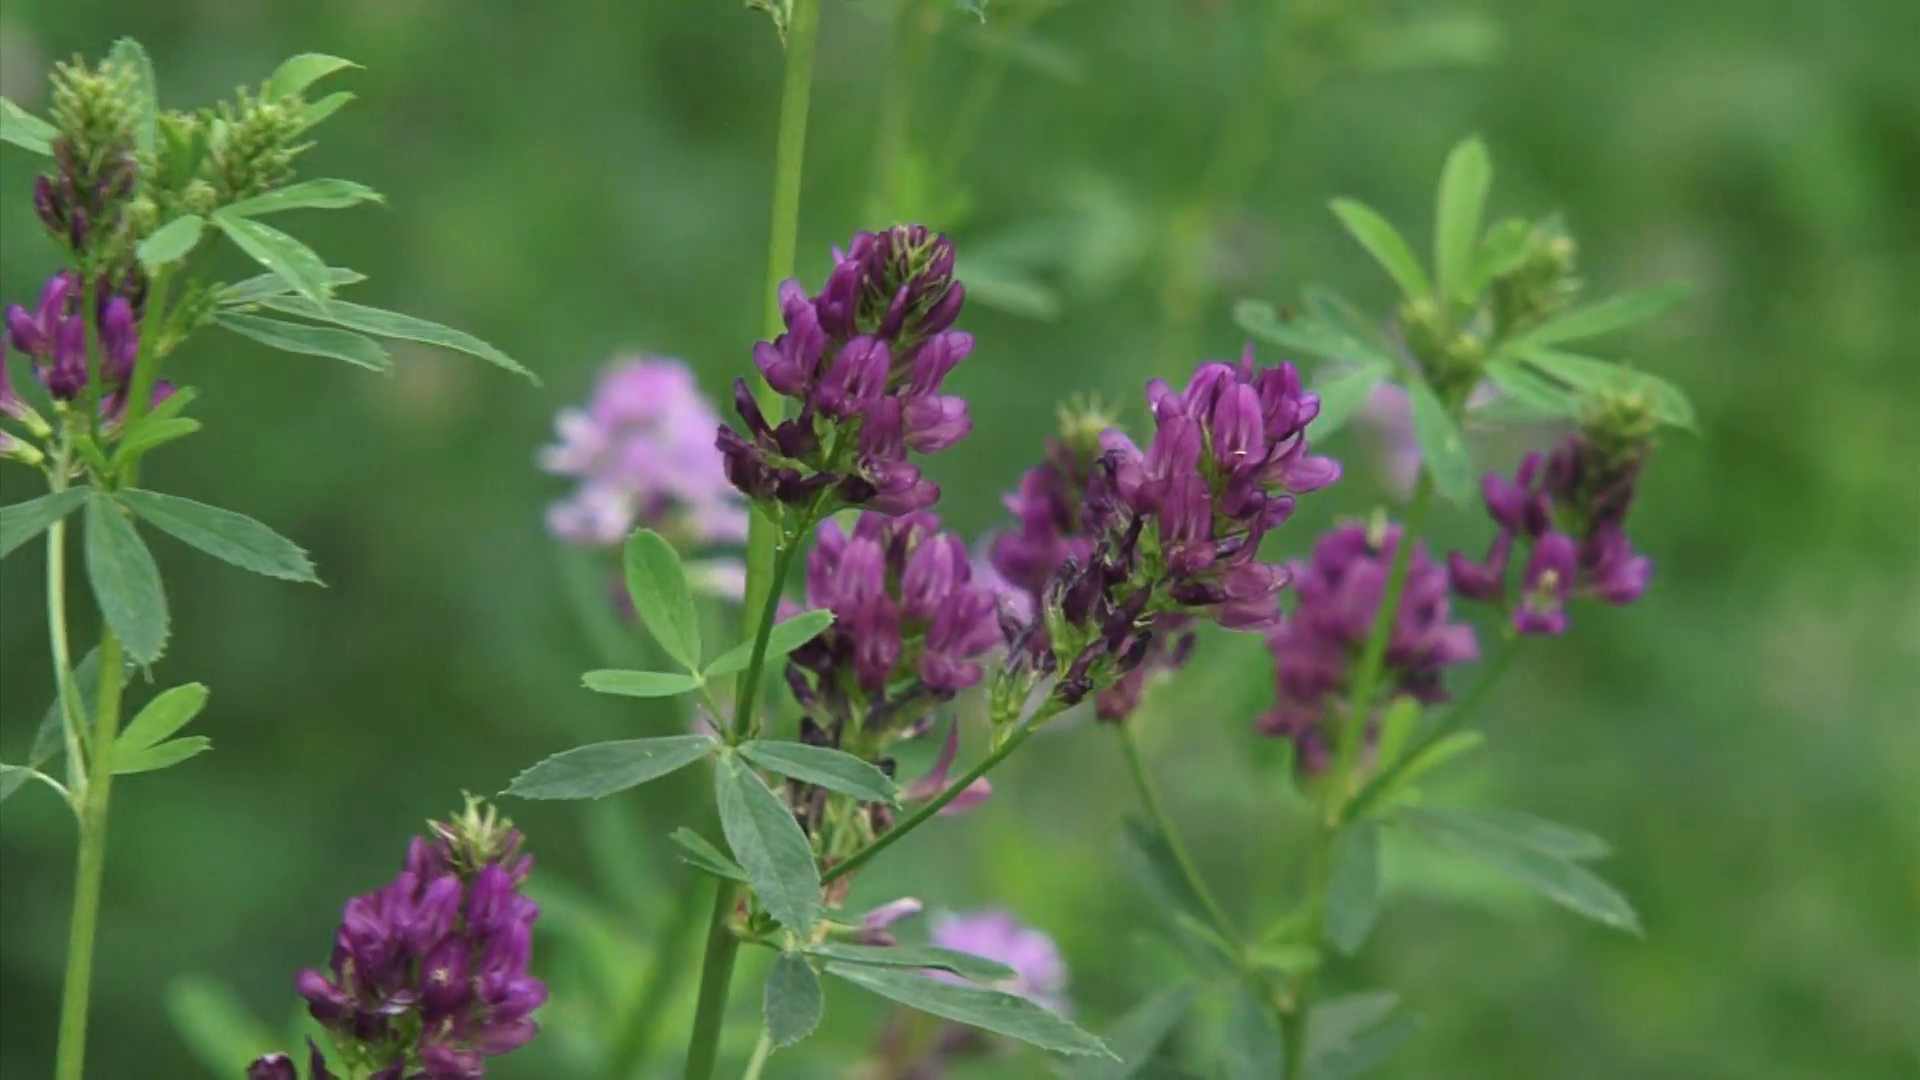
(1137, 1036)
(23, 521)
(1251, 1048)
(1456, 233)
(794, 1000)
(1386, 245)
(25, 130)
(309, 340)
(161, 756)
(785, 637)
(392, 324)
(597, 769)
(975, 1006)
(171, 242)
(167, 713)
(1443, 450)
(768, 844)
(125, 581)
(696, 852)
(223, 534)
(304, 271)
(1341, 398)
(1539, 860)
(824, 767)
(306, 195)
(1351, 1036)
(660, 595)
(216, 1023)
(1353, 892)
(296, 73)
(641, 684)
(913, 957)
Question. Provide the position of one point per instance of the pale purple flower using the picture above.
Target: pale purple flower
(934, 784)
(876, 926)
(1039, 971)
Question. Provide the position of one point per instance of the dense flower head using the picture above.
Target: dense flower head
(642, 449)
(865, 359)
(429, 975)
(95, 171)
(1568, 510)
(1317, 647)
(1039, 971)
(55, 335)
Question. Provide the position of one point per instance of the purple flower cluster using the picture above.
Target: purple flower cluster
(55, 335)
(1317, 647)
(865, 360)
(81, 200)
(429, 974)
(1569, 508)
(642, 450)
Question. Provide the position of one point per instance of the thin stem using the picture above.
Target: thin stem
(71, 717)
(761, 1050)
(71, 1059)
(641, 1025)
(1446, 723)
(985, 85)
(1157, 810)
(716, 976)
(146, 367)
(929, 808)
(745, 720)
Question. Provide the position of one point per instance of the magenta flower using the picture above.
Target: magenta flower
(1039, 971)
(55, 334)
(1317, 647)
(934, 784)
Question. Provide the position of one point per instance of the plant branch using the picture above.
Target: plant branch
(1163, 822)
(1445, 724)
(91, 870)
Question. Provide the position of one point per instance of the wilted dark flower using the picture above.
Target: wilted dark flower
(1317, 648)
(1568, 509)
(865, 360)
(429, 974)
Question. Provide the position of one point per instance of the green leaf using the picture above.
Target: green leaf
(50, 738)
(167, 713)
(660, 595)
(1342, 398)
(1137, 1036)
(1353, 888)
(306, 195)
(768, 844)
(1251, 1046)
(296, 73)
(588, 772)
(794, 1001)
(164, 756)
(642, 684)
(296, 262)
(125, 581)
(223, 534)
(1609, 315)
(25, 130)
(1523, 830)
(216, 1024)
(1009, 288)
(1458, 744)
(1396, 727)
(1443, 450)
(172, 241)
(1324, 340)
(919, 958)
(1287, 959)
(310, 340)
(1502, 251)
(23, 521)
(696, 852)
(781, 640)
(1386, 245)
(1558, 879)
(1331, 309)
(1667, 402)
(824, 767)
(1529, 394)
(1351, 1036)
(392, 324)
(258, 288)
(325, 107)
(1456, 231)
(128, 54)
(989, 1010)
(148, 437)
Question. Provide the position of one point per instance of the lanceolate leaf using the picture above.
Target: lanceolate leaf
(1607, 316)
(1251, 1047)
(296, 262)
(216, 1023)
(296, 73)
(164, 756)
(25, 130)
(128, 54)
(588, 772)
(1463, 199)
(781, 640)
(1426, 760)
(322, 194)
(1522, 830)
(223, 534)
(660, 595)
(990, 1010)
(1667, 402)
(825, 767)
(1559, 879)
(642, 684)
(794, 1000)
(392, 324)
(1137, 1036)
(310, 340)
(171, 241)
(1349, 1037)
(768, 844)
(255, 289)
(1386, 245)
(23, 521)
(1442, 449)
(1342, 397)
(1353, 891)
(151, 435)
(125, 581)
(167, 713)
(324, 108)
(696, 852)
(1529, 393)
(1314, 338)
(965, 965)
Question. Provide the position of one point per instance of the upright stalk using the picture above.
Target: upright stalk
(745, 724)
(1352, 735)
(71, 716)
(757, 1063)
(765, 565)
(1163, 823)
(71, 1061)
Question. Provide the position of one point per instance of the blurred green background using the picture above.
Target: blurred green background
(572, 180)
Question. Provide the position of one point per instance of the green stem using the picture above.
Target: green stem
(933, 806)
(641, 1026)
(146, 367)
(716, 976)
(92, 867)
(1447, 722)
(913, 30)
(745, 725)
(1157, 810)
(71, 718)
(761, 1050)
